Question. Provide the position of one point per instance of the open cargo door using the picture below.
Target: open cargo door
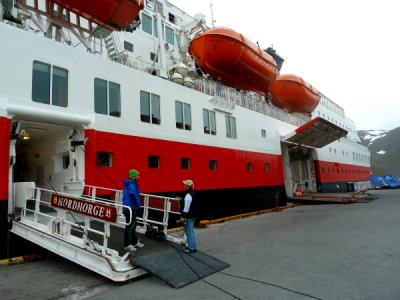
(315, 134)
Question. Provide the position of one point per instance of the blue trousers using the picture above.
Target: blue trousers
(130, 237)
(189, 231)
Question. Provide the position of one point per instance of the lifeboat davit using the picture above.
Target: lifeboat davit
(111, 14)
(231, 58)
(294, 94)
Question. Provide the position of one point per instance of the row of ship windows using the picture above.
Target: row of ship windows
(356, 156)
(332, 106)
(50, 86)
(336, 122)
(149, 25)
(106, 159)
(344, 171)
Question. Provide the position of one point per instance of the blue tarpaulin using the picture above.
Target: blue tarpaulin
(387, 181)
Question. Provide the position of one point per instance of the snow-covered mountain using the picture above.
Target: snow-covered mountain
(384, 146)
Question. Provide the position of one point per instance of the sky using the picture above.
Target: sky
(348, 49)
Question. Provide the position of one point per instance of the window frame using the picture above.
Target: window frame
(109, 98)
(145, 28)
(169, 34)
(230, 123)
(52, 85)
(210, 119)
(154, 105)
(185, 114)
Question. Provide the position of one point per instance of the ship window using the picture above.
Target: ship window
(209, 120)
(171, 18)
(178, 39)
(183, 115)
(60, 87)
(147, 23)
(153, 57)
(115, 99)
(66, 161)
(150, 108)
(128, 46)
(46, 79)
(249, 166)
(41, 83)
(169, 35)
(213, 164)
(107, 98)
(230, 127)
(155, 28)
(104, 159)
(267, 167)
(153, 161)
(322, 169)
(263, 133)
(185, 163)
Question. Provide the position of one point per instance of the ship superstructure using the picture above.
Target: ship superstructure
(81, 105)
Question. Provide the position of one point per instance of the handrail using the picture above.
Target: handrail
(166, 207)
(251, 101)
(57, 221)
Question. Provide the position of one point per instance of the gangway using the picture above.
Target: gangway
(87, 229)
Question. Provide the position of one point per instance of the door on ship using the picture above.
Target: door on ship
(46, 155)
(299, 168)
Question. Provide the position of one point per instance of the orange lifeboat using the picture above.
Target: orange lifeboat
(111, 14)
(234, 60)
(294, 94)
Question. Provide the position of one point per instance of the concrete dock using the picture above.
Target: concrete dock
(328, 251)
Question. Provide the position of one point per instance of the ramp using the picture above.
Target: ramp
(89, 230)
(178, 268)
(342, 198)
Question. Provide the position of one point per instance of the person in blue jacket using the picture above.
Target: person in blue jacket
(131, 198)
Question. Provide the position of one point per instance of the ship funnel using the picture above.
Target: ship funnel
(278, 59)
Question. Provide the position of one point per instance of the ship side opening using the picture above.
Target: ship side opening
(299, 169)
(47, 156)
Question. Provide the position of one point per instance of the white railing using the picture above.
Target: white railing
(60, 223)
(251, 101)
(151, 203)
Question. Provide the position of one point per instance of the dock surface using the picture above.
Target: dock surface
(328, 251)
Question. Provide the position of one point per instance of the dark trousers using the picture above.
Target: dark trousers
(130, 237)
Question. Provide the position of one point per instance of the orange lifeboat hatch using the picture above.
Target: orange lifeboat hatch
(234, 60)
(294, 94)
(111, 14)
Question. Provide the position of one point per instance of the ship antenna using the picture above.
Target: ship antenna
(212, 15)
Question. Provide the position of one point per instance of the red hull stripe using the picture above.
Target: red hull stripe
(5, 127)
(338, 172)
(131, 152)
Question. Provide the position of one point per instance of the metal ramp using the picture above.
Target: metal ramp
(342, 198)
(178, 268)
(88, 230)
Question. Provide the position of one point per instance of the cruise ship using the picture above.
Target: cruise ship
(90, 91)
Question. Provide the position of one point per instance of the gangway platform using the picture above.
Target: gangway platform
(342, 198)
(88, 230)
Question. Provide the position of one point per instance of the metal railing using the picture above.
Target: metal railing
(167, 206)
(69, 226)
(251, 101)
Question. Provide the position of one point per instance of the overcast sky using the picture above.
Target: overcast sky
(348, 49)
